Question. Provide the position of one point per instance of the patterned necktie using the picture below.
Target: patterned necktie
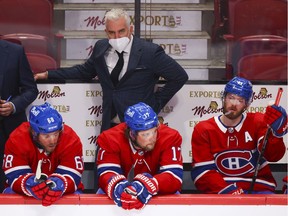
(117, 69)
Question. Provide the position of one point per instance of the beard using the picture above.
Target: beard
(233, 114)
(149, 147)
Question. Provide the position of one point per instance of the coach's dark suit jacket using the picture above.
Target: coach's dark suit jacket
(147, 62)
(16, 79)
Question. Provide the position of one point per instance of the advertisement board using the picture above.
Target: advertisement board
(80, 104)
(91, 20)
(176, 48)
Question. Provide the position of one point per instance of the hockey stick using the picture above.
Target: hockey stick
(130, 177)
(265, 139)
(39, 177)
(38, 171)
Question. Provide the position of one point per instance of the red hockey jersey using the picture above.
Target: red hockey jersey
(117, 156)
(221, 155)
(21, 157)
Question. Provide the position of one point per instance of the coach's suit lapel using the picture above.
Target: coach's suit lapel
(136, 52)
(3, 63)
(100, 61)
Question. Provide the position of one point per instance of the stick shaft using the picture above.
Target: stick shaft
(278, 97)
(38, 170)
(265, 140)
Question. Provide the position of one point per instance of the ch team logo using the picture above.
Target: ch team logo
(234, 163)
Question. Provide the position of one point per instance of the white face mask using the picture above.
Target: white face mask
(119, 44)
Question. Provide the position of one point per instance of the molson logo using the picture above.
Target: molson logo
(92, 139)
(202, 110)
(56, 92)
(94, 21)
(213, 107)
(95, 110)
(263, 94)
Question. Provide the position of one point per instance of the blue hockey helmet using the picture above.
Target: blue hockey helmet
(241, 87)
(140, 117)
(45, 119)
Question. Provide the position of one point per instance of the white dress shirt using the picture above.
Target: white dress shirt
(111, 58)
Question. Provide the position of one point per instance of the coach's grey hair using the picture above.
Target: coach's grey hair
(115, 14)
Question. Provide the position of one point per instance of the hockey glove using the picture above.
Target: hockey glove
(129, 199)
(57, 185)
(34, 187)
(276, 118)
(146, 186)
(231, 189)
(116, 187)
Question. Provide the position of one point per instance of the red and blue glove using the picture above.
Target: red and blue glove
(34, 187)
(129, 199)
(276, 118)
(57, 185)
(146, 186)
(231, 189)
(116, 189)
